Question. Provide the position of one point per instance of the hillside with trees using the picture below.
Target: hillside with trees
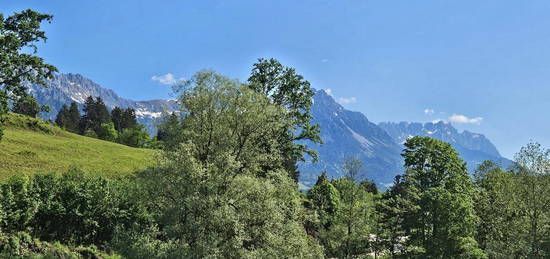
(224, 180)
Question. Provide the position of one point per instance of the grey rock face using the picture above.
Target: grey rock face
(349, 134)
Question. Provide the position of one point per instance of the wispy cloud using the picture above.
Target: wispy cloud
(167, 79)
(429, 111)
(459, 118)
(328, 91)
(343, 100)
(324, 60)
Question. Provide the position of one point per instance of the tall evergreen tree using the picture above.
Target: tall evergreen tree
(73, 118)
(442, 223)
(62, 117)
(123, 118)
(95, 114)
(116, 116)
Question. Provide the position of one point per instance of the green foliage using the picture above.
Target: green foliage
(288, 89)
(325, 199)
(33, 145)
(69, 118)
(20, 32)
(533, 169)
(214, 193)
(73, 208)
(441, 221)
(391, 208)
(107, 131)
(27, 105)
(136, 137)
(95, 114)
(123, 118)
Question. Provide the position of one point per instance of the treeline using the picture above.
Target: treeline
(436, 210)
(119, 125)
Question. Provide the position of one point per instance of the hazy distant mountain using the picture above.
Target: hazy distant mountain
(345, 133)
(65, 88)
(474, 148)
(350, 134)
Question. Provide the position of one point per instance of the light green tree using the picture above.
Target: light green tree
(224, 191)
(533, 169)
(501, 229)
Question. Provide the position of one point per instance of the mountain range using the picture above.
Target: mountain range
(65, 88)
(345, 133)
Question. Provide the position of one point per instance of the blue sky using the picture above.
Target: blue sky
(485, 62)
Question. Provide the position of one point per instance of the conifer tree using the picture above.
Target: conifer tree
(73, 118)
(62, 118)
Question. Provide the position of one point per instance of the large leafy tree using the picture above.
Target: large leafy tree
(19, 34)
(284, 87)
(501, 229)
(213, 194)
(533, 169)
(441, 223)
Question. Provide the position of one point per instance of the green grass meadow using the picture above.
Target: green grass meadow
(34, 146)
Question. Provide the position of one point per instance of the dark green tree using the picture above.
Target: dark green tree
(169, 128)
(116, 116)
(27, 105)
(325, 199)
(442, 222)
(123, 118)
(73, 118)
(391, 208)
(288, 89)
(18, 33)
(62, 118)
(95, 114)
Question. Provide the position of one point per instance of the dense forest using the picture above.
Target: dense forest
(225, 185)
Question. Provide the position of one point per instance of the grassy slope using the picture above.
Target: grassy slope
(33, 146)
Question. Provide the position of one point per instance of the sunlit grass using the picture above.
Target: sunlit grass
(33, 146)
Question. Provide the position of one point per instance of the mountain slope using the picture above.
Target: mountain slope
(349, 134)
(33, 146)
(474, 148)
(65, 88)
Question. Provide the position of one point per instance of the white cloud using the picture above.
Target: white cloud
(343, 100)
(459, 118)
(428, 111)
(167, 79)
(328, 91)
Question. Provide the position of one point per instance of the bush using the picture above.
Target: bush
(72, 208)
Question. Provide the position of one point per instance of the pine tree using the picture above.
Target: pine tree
(95, 114)
(73, 118)
(62, 118)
